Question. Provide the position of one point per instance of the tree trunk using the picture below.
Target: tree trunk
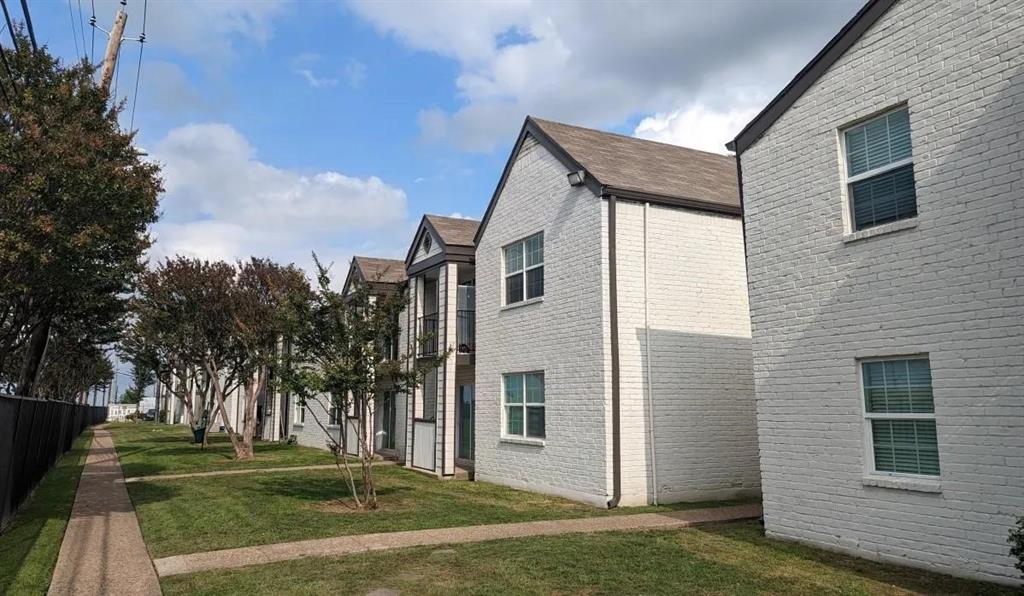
(34, 353)
(218, 393)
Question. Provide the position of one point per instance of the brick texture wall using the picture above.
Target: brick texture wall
(699, 366)
(951, 287)
(564, 335)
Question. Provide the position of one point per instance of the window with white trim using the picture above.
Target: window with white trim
(880, 170)
(899, 413)
(524, 269)
(300, 412)
(334, 413)
(523, 399)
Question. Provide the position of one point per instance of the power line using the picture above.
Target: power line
(92, 25)
(81, 29)
(7, 67)
(74, 34)
(10, 25)
(28, 22)
(138, 71)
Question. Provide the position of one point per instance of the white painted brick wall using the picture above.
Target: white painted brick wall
(563, 335)
(952, 287)
(701, 373)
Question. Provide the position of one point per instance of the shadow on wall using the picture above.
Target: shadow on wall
(703, 414)
(949, 287)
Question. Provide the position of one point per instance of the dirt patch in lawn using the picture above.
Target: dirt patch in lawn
(348, 506)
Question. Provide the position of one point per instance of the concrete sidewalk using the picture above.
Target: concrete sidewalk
(248, 471)
(345, 545)
(103, 551)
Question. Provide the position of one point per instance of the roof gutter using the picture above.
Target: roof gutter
(613, 309)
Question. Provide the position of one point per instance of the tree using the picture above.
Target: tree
(72, 369)
(182, 318)
(268, 300)
(76, 198)
(142, 377)
(346, 345)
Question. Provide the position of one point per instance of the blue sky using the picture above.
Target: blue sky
(292, 126)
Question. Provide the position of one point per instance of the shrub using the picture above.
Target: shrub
(1016, 541)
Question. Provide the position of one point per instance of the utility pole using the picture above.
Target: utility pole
(113, 47)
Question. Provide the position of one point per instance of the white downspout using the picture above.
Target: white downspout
(650, 387)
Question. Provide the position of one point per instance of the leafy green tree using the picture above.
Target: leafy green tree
(76, 198)
(346, 344)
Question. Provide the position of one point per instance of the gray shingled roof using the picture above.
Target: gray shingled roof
(648, 167)
(454, 231)
(387, 271)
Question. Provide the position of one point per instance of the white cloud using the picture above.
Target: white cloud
(222, 202)
(303, 65)
(695, 126)
(355, 73)
(206, 29)
(602, 64)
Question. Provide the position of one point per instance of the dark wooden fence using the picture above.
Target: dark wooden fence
(33, 434)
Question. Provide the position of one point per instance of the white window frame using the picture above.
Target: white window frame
(848, 181)
(299, 412)
(522, 271)
(869, 442)
(505, 405)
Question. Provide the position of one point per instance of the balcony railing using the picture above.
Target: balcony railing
(465, 331)
(426, 335)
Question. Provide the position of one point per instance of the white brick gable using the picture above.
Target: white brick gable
(951, 287)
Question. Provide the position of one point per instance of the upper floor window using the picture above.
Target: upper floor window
(900, 412)
(880, 170)
(524, 269)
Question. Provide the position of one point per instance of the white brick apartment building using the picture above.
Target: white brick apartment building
(440, 323)
(883, 195)
(613, 361)
(318, 423)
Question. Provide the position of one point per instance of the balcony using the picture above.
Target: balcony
(426, 336)
(465, 331)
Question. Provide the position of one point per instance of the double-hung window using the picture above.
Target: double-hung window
(524, 269)
(334, 413)
(300, 411)
(524, 405)
(880, 170)
(900, 415)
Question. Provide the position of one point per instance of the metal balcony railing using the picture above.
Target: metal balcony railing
(426, 335)
(465, 331)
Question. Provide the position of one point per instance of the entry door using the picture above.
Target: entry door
(466, 420)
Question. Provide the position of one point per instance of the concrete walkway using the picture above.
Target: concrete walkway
(355, 470)
(345, 545)
(103, 551)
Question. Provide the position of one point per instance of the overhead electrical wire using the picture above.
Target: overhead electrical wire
(138, 71)
(74, 32)
(10, 25)
(92, 25)
(28, 23)
(81, 29)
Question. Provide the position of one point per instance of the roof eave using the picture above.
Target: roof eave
(671, 201)
(851, 32)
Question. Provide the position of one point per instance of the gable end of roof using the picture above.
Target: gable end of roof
(854, 29)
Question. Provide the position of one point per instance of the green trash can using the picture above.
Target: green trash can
(199, 433)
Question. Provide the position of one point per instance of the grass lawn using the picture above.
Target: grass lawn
(723, 559)
(147, 449)
(199, 514)
(29, 547)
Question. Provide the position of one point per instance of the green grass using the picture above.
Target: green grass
(199, 514)
(29, 547)
(721, 559)
(148, 449)
(209, 513)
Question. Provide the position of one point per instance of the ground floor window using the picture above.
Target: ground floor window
(334, 413)
(899, 412)
(300, 412)
(523, 398)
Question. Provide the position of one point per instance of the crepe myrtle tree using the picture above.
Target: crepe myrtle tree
(345, 350)
(266, 308)
(180, 326)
